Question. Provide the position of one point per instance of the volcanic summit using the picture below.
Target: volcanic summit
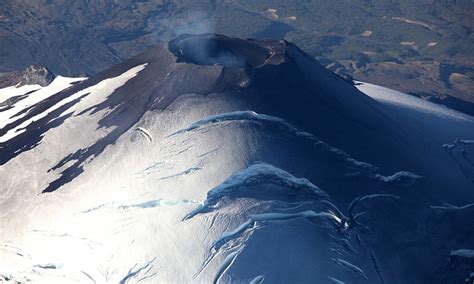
(218, 159)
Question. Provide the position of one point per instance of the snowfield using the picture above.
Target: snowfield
(400, 99)
(16, 110)
(163, 171)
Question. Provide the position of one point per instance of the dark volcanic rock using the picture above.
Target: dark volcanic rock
(76, 37)
(32, 75)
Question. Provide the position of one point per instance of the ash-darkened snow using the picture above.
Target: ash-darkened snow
(215, 159)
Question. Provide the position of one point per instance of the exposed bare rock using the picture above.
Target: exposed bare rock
(32, 75)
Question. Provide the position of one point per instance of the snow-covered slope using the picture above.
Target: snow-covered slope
(211, 159)
(408, 102)
(17, 100)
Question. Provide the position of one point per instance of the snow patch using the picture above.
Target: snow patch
(260, 173)
(401, 178)
(258, 279)
(336, 281)
(464, 253)
(350, 267)
(12, 114)
(393, 97)
(447, 206)
(101, 89)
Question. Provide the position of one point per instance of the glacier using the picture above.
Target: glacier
(166, 169)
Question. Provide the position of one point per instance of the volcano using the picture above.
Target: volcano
(217, 159)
